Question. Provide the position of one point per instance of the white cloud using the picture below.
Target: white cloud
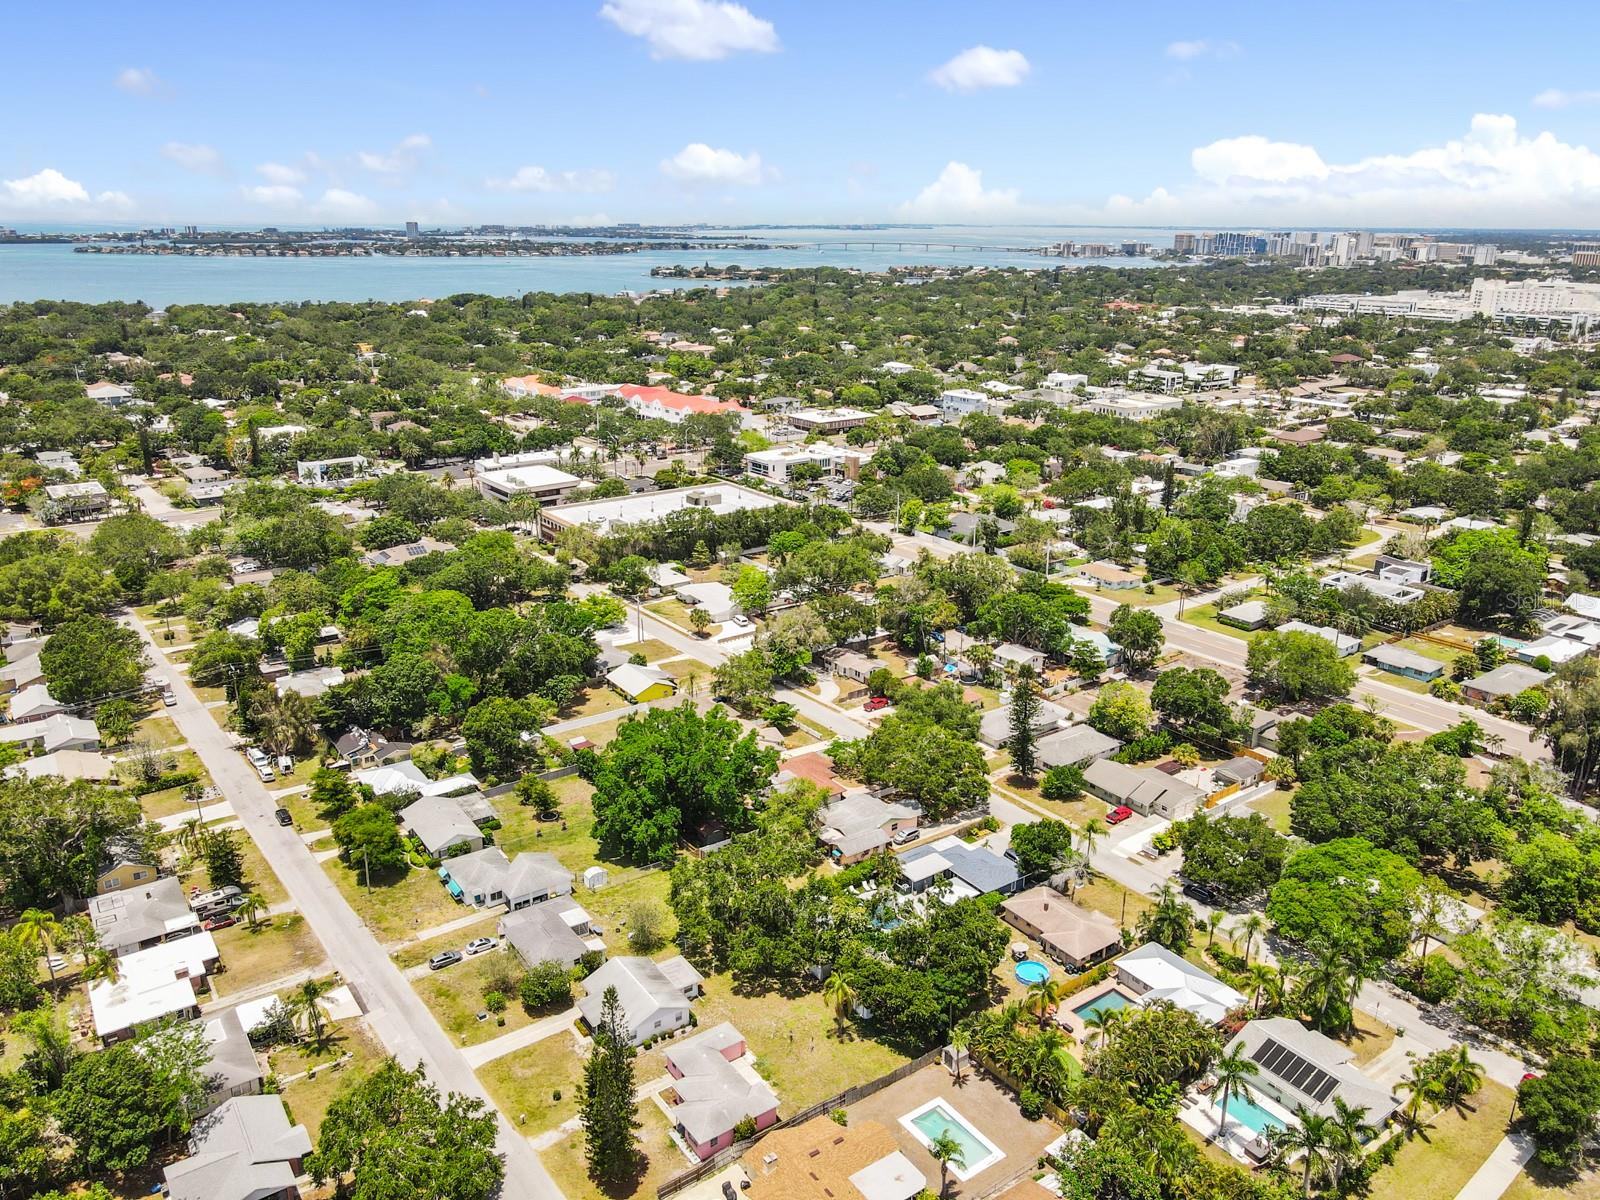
(1201, 48)
(698, 30)
(139, 81)
(1557, 98)
(274, 195)
(398, 161)
(537, 179)
(51, 191)
(982, 67)
(281, 174)
(698, 163)
(1493, 176)
(959, 193)
(201, 159)
(338, 202)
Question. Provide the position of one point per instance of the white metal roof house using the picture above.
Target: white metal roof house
(1155, 973)
(654, 996)
(154, 983)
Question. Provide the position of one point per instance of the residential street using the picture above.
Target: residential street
(395, 1012)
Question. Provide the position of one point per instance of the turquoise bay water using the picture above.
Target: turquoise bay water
(34, 272)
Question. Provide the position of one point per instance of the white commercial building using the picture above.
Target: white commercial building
(604, 515)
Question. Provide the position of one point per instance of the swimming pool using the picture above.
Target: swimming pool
(1109, 1002)
(938, 1117)
(1031, 972)
(1251, 1115)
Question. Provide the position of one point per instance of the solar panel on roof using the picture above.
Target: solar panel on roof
(1295, 1070)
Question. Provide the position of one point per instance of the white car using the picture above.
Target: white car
(479, 945)
(257, 756)
(741, 621)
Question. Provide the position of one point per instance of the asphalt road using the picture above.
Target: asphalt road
(396, 1014)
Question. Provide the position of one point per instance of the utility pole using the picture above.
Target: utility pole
(366, 868)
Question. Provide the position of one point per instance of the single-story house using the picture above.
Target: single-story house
(1506, 680)
(1152, 973)
(1381, 586)
(134, 919)
(123, 865)
(245, 1150)
(813, 767)
(715, 598)
(34, 703)
(1247, 614)
(22, 670)
(234, 1068)
(1110, 653)
(1074, 746)
(362, 749)
(995, 727)
(1076, 937)
(1341, 642)
(971, 870)
(639, 684)
(396, 556)
(56, 733)
(1298, 1067)
(666, 577)
(440, 823)
(551, 932)
(1143, 789)
(861, 824)
(1402, 570)
(851, 664)
(66, 764)
(406, 776)
(152, 984)
(1241, 771)
(654, 996)
(310, 684)
(1399, 661)
(1556, 650)
(487, 877)
(1011, 657)
(820, 1160)
(715, 1088)
(1109, 576)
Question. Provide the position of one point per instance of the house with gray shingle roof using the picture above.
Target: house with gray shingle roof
(245, 1150)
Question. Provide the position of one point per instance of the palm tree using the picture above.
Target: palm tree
(1264, 980)
(1170, 922)
(1312, 1136)
(40, 932)
(79, 931)
(1051, 1062)
(1328, 985)
(959, 1041)
(1233, 1072)
(251, 908)
(1093, 830)
(1422, 1090)
(1103, 1021)
(1043, 998)
(189, 835)
(101, 966)
(1249, 928)
(1214, 920)
(840, 997)
(946, 1151)
(1351, 1131)
(1458, 1075)
(307, 1002)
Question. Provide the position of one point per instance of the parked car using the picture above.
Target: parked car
(220, 922)
(285, 817)
(285, 764)
(1011, 855)
(1202, 892)
(741, 621)
(257, 756)
(1118, 815)
(199, 900)
(169, 698)
(906, 836)
(877, 702)
(479, 945)
(266, 772)
(440, 961)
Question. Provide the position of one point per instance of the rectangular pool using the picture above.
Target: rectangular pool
(1109, 1002)
(936, 1118)
(1251, 1115)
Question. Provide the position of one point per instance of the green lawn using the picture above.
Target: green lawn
(398, 907)
(455, 997)
(594, 700)
(158, 731)
(629, 886)
(524, 1083)
(663, 1160)
(1205, 617)
(304, 769)
(799, 1047)
(1274, 806)
(1456, 1146)
(1537, 1184)
(156, 805)
(257, 873)
(652, 648)
(280, 946)
(308, 1098)
(570, 839)
(674, 612)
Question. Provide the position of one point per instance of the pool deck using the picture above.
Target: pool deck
(1067, 1015)
(987, 1107)
(1201, 1113)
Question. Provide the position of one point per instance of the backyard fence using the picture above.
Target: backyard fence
(844, 1099)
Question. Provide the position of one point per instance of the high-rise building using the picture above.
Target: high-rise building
(1183, 243)
(411, 229)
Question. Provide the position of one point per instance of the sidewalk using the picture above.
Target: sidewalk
(1499, 1170)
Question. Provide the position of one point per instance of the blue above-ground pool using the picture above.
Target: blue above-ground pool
(1031, 972)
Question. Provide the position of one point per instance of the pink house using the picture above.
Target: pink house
(713, 1091)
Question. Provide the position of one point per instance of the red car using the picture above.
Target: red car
(1118, 815)
(220, 922)
(876, 703)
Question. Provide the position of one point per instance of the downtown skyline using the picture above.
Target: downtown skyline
(706, 111)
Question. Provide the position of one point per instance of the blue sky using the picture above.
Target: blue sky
(1457, 112)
